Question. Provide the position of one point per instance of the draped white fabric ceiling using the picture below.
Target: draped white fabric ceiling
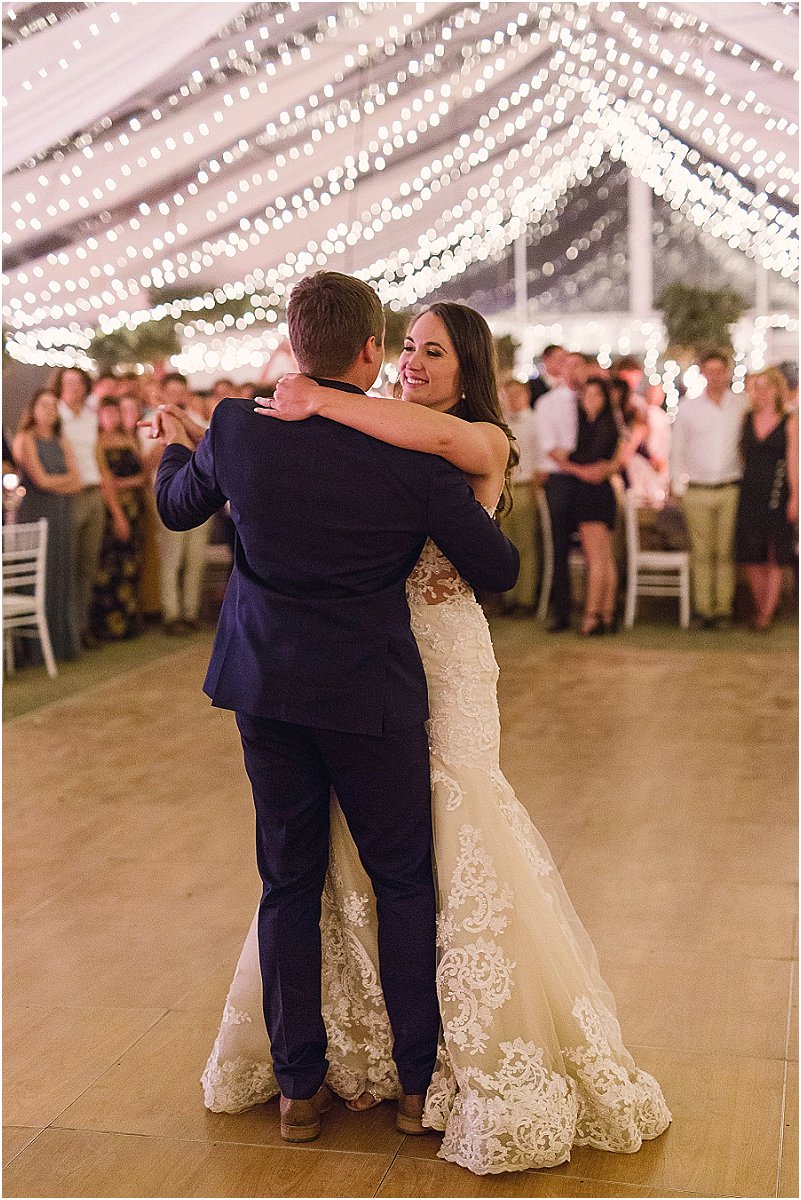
(160, 156)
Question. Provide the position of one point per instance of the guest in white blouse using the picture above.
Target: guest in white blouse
(705, 470)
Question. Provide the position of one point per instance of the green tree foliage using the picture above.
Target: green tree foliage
(698, 320)
(506, 348)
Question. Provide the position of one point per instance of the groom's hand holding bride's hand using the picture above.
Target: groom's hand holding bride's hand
(171, 426)
(296, 398)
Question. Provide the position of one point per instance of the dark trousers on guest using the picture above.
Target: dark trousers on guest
(560, 493)
(383, 788)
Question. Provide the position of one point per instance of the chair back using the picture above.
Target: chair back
(24, 556)
(632, 528)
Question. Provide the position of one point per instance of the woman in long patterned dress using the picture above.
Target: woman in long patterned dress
(531, 1059)
(115, 612)
(51, 478)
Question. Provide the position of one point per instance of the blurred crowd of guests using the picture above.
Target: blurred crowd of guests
(86, 463)
(720, 481)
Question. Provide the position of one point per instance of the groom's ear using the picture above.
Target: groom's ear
(372, 351)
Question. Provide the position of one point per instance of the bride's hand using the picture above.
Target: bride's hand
(296, 398)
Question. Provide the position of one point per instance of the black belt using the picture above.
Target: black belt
(728, 483)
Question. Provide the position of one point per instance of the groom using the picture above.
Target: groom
(315, 654)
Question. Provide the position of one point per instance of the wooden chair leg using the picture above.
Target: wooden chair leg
(631, 599)
(684, 600)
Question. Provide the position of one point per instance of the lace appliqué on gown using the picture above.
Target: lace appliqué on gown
(531, 1061)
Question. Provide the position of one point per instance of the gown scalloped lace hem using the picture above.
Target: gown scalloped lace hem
(531, 1059)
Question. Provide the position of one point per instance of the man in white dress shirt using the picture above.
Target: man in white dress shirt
(705, 470)
(556, 427)
(182, 553)
(549, 375)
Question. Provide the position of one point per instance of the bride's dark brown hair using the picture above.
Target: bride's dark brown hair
(478, 376)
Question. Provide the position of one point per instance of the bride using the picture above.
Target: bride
(531, 1060)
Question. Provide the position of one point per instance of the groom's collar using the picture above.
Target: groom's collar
(340, 384)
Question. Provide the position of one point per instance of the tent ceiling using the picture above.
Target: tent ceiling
(408, 142)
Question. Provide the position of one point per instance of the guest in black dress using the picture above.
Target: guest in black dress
(115, 611)
(597, 457)
(50, 478)
(764, 537)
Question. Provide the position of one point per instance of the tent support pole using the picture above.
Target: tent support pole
(641, 248)
(521, 280)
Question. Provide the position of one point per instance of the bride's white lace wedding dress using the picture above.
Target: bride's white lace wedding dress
(531, 1060)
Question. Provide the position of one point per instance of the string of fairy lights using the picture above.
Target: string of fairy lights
(340, 178)
(562, 92)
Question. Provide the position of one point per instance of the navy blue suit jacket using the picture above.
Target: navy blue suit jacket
(314, 627)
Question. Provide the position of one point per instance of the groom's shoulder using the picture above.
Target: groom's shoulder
(234, 408)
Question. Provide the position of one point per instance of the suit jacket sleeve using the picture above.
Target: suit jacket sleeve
(466, 534)
(187, 492)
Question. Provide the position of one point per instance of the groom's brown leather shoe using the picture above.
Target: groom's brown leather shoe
(410, 1114)
(300, 1119)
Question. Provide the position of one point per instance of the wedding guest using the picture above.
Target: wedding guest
(131, 410)
(97, 495)
(152, 397)
(705, 469)
(631, 369)
(149, 589)
(768, 503)
(549, 374)
(105, 385)
(520, 522)
(632, 422)
(659, 431)
(50, 477)
(182, 553)
(114, 611)
(596, 458)
(557, 429)
(220, 389)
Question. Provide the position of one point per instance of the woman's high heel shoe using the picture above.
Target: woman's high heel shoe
(596, 629)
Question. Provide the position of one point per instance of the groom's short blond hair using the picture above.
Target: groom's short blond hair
(330, 318)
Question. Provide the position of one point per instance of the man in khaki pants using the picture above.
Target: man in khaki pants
(182, 553)
(705, 469)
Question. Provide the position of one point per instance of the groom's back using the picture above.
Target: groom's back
(320, 510)
(314, 627)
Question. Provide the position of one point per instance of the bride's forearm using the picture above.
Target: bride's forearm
(410, 426)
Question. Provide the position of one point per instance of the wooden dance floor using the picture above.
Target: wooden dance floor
(663, 777)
